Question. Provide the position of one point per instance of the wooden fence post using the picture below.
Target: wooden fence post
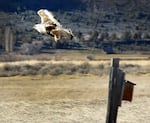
(116, 81)
(9, 39)
(7, 32)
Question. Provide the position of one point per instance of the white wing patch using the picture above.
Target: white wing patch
(51, 17)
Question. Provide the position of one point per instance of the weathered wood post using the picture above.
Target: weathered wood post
(119, 89)
(9, 39)
(116, 81)
(7, 30)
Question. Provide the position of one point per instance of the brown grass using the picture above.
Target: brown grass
(74, 98)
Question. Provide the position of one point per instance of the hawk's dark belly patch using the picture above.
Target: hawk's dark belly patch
(49, 29)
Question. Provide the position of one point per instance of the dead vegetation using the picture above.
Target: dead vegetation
(27, 68)
(51, 69)
(68, 99)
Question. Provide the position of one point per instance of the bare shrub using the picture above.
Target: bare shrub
(84, 68)
(137, 35)
(130, 68)
(56, 70)
(146, 35)
(32, 48)
(96, 71)
(30, 69)
(101, 66)
(9, 70)
(126, 36)
(113, 36)
(104, 36)
(90, 57)
(2, 74)
(44, 69)
(69, 69)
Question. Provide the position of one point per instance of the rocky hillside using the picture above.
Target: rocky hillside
(123, 25)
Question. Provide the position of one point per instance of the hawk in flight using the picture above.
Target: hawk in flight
(51, 26)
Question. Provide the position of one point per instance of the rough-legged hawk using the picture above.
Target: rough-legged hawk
(51, 26)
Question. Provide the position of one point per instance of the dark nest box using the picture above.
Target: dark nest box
(128, 90)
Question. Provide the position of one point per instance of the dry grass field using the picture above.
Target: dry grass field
(75, 98)
(68, 99)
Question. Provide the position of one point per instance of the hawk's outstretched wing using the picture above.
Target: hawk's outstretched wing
(47, 18)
